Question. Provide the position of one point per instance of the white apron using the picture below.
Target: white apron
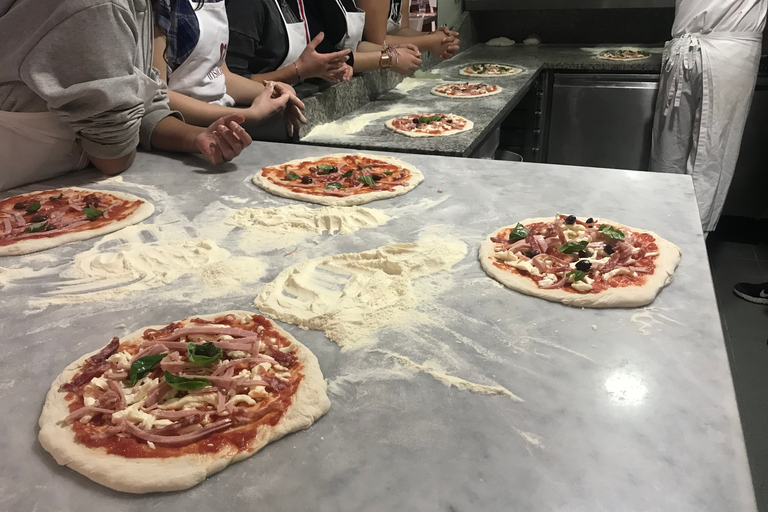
(298, 36)
(355, 25)
(200, 76)
(707, 83)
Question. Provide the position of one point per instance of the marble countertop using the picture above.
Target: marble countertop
(413, 96)
(623, 409)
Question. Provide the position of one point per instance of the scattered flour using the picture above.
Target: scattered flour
(434, 369)
(530, 438)
(270, 228)
(349, 296)
(409, 84)
(354, 125)
(14, 274)
(129, 261)
(648, 317)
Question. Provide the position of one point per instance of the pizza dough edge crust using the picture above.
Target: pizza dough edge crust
(625, 297)
(516, 72)
(145, 210)
(443, 95)
(265, 183)
(139, 476)
(390, 124)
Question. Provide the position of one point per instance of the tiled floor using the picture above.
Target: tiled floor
(745, 326)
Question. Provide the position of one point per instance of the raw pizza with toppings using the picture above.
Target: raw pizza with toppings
(465, 90)
(580, 262)
(623, 55)
(169, 405)
(429, 125)
(41, 220)
(490, 70)
(340, 179)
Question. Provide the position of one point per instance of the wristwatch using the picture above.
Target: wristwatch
(386, 60)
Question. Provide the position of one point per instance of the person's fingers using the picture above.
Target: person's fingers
(226, 150)
(212, 153)
(297, 102)
(316, 41)
(299, 115)
(231, 139)
(241, 134)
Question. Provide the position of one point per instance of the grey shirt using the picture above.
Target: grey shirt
(84, 60)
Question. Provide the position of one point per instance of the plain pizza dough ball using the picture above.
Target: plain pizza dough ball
(531, 40)
(500, 41)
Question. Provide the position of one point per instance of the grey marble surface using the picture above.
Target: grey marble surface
(486, 113)
(612, 418)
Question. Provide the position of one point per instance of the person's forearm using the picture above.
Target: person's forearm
(287, 75)
(409, 32)
(113, 166)
(241, 89)
(367, 61)
(196, 112)
(422, 41)
(172, 134)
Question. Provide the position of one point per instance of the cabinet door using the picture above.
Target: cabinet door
(602, 120)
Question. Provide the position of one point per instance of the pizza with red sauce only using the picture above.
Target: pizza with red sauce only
(40, 220)
(429, 125)
(340, 179)
(169, 405)
(465, 90)
(590, 262)
(490, 70)
(624, 55)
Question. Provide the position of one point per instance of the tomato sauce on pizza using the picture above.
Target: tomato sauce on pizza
(430, 124)
(189, 388)
(339, 176)
(576, 256)
(51, 213)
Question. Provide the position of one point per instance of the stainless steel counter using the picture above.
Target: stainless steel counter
(623, 409)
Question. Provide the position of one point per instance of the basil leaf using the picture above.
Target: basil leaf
(389, 173)
(335, 185)
(92, 213)
(327, 169)
(185, 383)
(33, 207)
(425, 120)
(368, 180)
(361, 167)
(573, 246)
(518, 233)
(141, 367)
(347, 174)
(577, 275)
(53, 198)
(292, 176)
(612, 232)
(204, 354)
(478, 69)
(34, 228)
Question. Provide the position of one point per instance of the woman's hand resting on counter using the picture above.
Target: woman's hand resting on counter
(223, 140)
(408, 59)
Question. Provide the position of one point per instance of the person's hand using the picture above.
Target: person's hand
(270, 102)
(408, 59)
(293, 113)
(444, 43)
(223, 140)
(323, 65)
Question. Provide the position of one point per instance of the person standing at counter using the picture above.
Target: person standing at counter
(707, 82)
(270, 41)
(77, 87)
(191, 40)
(388, 22)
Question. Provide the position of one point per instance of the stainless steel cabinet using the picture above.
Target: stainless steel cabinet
(602, 120)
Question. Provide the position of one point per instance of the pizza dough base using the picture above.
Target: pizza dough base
(416, 177)
(29, 245)
(390, 124)
(624, 297)
(515, 71)
(158, 475)
(442, 94)
(602, 57)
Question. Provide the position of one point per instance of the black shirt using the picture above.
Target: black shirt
(258, 40)
(326, 16)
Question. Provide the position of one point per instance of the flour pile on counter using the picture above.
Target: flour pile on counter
(122, 263)
(349, 296)
(289, 225)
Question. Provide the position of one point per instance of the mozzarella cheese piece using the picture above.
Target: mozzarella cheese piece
(100, 382)
(237, 399)
(549, 279)
(121, 359)
(621, 271)
(191, 401)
